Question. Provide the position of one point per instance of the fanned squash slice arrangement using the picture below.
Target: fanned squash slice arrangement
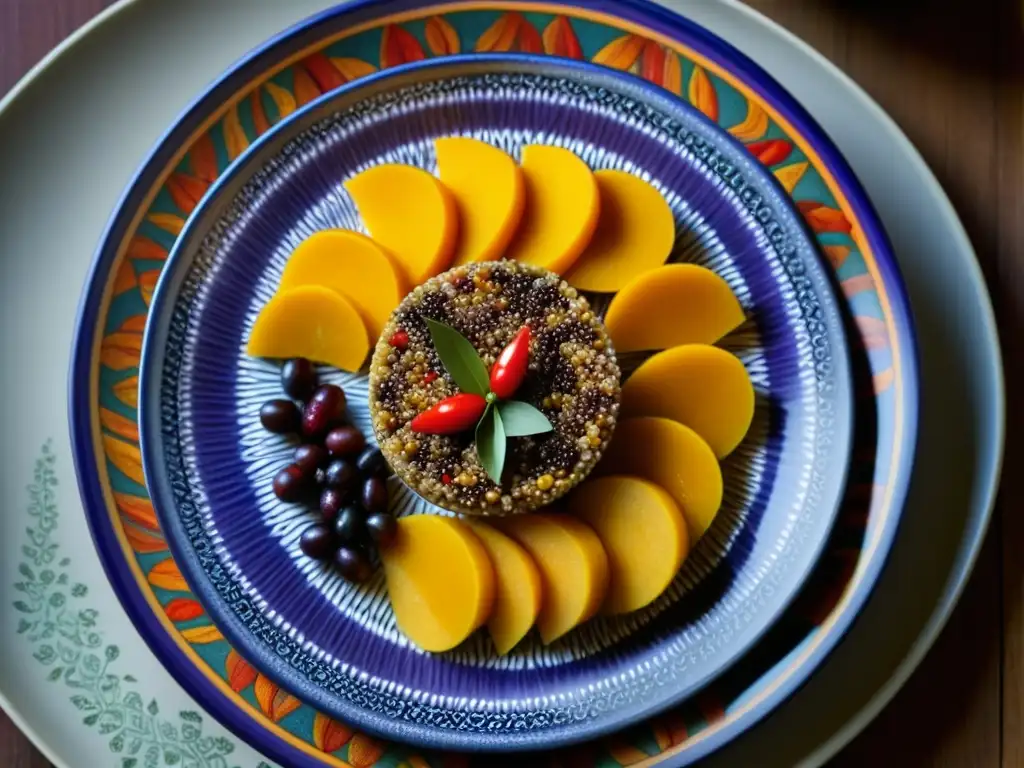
(620, 537)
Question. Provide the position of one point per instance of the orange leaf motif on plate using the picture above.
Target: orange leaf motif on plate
(143, 248)
(126, 457)
(305, 87)
(259, 115)
(127, 391)
(672, 78)
(234, 134)
(183, 609)
(282, 98)
(623, 753)
(661, 737)
(511, 32)
(353, 69)
(621, 52)
(442, 39)
(202, 158)
(125, 279)
(202, 635)
(836, 254)
(166, 575)
(240, 673)
(364, 751)
(560, 39)
(186, 191)
(168, 222)
(789, 175)
(822, 218)
(771, 151)
(147, 284)
(275, 703)
(399, 46)
(122, 348)
(883, 380)
(137, 509)
(119, 425)
(501, 35)
(702, 93)
(144, 542)
(754, 125)
(329, 735)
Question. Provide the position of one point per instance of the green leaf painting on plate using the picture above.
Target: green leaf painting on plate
(67, 641)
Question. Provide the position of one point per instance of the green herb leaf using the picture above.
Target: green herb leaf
(520, 419)
(459, 358)
(490, 443)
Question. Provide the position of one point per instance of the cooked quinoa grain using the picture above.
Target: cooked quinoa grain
(573, 378)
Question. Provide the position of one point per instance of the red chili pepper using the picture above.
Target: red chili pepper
(510, 368)
(453, 414)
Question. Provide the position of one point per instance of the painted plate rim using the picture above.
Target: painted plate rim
(658, 21)
(207, 213)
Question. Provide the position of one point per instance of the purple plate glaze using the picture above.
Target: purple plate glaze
(209, 464)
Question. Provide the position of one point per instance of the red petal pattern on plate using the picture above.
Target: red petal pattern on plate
(770, 151)
(399, 46)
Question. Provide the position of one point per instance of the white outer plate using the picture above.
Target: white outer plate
(56, 195)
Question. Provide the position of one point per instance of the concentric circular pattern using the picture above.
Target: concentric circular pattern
(336, 644)
(573, 378)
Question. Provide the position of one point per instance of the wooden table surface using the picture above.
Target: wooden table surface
(952, 75)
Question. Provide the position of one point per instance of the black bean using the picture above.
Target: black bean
(331, 502)
(350, 527)
(310, 457)
(281, 417)
(324, 410)
(345, 441)
(375, 495)
(290, 483)
(342, 475)
(318, 542)
(371, 462)
(298, 377)
(353, 564)
(382, 528)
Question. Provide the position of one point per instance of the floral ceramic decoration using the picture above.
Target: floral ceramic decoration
(425, 34)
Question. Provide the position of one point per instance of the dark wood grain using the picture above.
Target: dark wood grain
(29, 29)
(951, 74)
(15, 750)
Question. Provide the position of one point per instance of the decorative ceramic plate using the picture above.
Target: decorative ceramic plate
(637, 37)
(209, 464)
